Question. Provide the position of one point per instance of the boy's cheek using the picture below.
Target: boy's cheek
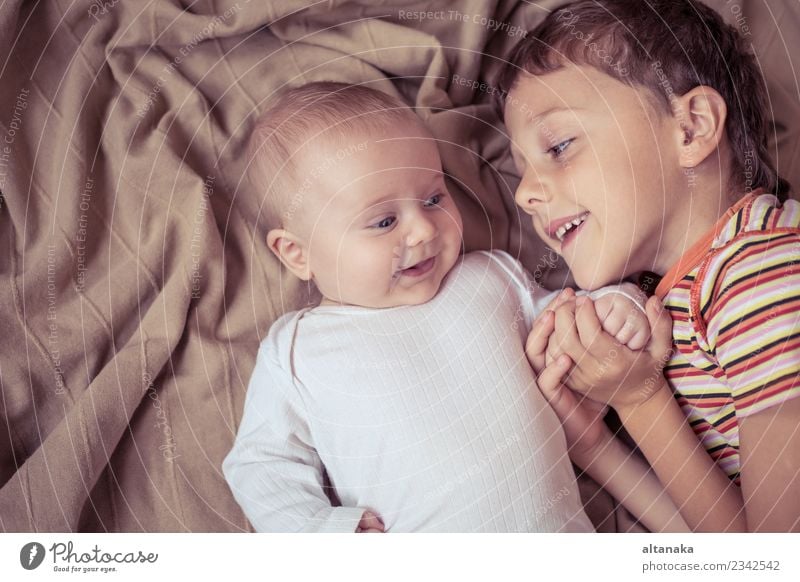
(540, 232)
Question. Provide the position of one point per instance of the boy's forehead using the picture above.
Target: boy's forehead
(570, 88)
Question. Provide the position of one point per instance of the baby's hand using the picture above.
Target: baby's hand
(621, 318)
(370, 523)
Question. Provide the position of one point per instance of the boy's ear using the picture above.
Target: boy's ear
(701, 115)
(291, 251)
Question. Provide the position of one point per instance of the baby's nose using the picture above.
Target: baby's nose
(422, 230)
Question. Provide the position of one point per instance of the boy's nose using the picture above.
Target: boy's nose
(530, 192)
(422, 230)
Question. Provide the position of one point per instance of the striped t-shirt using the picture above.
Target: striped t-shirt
(734, 298)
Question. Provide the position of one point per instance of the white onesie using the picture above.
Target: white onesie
(429, 415)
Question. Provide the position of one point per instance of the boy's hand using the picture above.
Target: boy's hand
(370, 523)
(622, 319)
(581, 417)
(604, 369)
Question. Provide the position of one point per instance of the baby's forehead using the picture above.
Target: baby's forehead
(363, 169)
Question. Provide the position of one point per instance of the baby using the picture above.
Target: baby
(407, 386)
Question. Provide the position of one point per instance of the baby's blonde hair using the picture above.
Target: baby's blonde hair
(317, 111)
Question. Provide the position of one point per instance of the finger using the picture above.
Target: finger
(627, 330)
(586, 322)
(551, 355)
(639, 339)
(593, 338)
(604, 307)
(613, 323)
(370, 520)
(567, 294)
(550, 382)
(566, 337)
(552, 376)
(560, 298)
(660, 330)
(536, 344)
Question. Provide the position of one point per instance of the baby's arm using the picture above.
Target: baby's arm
(273, 470)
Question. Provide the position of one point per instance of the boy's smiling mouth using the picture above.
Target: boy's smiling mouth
(563, 229)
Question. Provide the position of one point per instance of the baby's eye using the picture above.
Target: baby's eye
(385, 222)
(557, 150)
(434, 200)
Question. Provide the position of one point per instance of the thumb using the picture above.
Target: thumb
(660, 346)
(551, 379)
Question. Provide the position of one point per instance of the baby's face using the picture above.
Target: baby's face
(386, 230)
(593, 151)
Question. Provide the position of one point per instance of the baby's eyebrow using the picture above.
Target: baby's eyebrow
(390, 196)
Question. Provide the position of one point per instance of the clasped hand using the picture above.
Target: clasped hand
(591, 354)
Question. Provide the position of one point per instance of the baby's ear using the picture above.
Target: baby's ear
(700, 116)
(291, 251)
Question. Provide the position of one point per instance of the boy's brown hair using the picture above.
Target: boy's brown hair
(668, 47)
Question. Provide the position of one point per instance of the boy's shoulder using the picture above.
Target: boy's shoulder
(758, 248)
(759, 231)
(763, 216)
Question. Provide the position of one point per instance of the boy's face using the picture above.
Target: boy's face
(386, 230)
(594, 151)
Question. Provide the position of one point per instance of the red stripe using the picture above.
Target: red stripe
(767, 392)
(723, 279)
(756, 360)
(762, 318)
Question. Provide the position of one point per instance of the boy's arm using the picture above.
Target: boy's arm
(633, 383)
(593, 448)
(770, 456)
(273, 470)
(752, 329)
(628, 478)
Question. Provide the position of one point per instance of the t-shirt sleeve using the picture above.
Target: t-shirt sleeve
(532, 296)
(273, 470)
(753, 322)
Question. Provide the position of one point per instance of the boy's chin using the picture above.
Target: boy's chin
(591, 281)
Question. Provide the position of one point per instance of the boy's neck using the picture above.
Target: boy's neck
(704, 206)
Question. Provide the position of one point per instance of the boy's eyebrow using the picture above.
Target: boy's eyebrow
(558, 109)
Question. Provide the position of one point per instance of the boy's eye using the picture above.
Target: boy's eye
(385, 222)
(434, 200)
(557, 150)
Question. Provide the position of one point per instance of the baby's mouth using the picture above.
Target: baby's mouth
(419, 269)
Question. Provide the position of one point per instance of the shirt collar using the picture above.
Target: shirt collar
(700, 249)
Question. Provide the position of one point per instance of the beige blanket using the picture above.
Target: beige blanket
(133, 297)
